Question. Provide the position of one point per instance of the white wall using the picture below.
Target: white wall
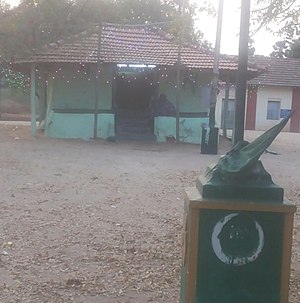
(265, 93)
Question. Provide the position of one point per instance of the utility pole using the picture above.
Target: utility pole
(211, 146)
(241, 84)
(214, 88)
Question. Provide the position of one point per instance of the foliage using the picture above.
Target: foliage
(3, 7)
(280, 16)
(287, 49)
(35, 23)
(283, 18)
(15, 79)
(251, 48)
(294, 51)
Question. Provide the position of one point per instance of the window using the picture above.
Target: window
(273, 111)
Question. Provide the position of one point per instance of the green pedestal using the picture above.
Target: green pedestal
(257, 186)
(235, 252)
(237, 231)
(242, 192)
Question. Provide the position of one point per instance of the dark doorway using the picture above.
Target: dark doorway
(135, 92)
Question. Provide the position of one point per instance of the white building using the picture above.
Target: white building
(273, 94)
(270, 96)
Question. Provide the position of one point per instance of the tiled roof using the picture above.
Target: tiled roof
(279, 72)
(129, 45)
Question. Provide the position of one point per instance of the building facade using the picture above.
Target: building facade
(103, 83)
(274, 94)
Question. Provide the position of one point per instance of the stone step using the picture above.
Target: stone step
(134, 125)
(136, 137)
(134, 129)
(133, 114)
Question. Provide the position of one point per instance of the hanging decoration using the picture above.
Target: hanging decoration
(85, 72)
(190, 80)
(15, 79)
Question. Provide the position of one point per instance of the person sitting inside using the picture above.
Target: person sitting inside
(163, 107)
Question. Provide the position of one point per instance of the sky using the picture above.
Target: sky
(263, 41)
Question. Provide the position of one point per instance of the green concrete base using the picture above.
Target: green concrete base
(189, 129)
(241, 192)
(106, 125)
(79, 126)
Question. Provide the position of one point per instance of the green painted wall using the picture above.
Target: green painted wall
(106, 126)
(69, 126)
(74, 87)
(79, 126)
(71, 97)
(189, 129)
(193, 96)
(71, 92)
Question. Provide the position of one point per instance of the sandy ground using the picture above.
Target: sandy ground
(84, 221)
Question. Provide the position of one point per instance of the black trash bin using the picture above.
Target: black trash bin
(209, 141)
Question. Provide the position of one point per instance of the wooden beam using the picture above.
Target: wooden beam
(43, 98)
(286, 256)
(178, 68)
(32, 99)
(97, 83)
(192, 255)
(225, 107)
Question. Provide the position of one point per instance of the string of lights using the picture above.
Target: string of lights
(86, 72)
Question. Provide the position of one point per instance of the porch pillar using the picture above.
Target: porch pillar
(32, 99)
(295, 120)
(43, 98)
(251, 107)
(225, 107)
(178, 68)
(97, 83)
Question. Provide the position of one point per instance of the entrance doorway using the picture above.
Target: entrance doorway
(135, 92)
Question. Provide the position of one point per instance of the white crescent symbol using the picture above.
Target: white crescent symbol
(235, 260)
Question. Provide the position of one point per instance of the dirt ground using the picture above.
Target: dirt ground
(84, 221)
